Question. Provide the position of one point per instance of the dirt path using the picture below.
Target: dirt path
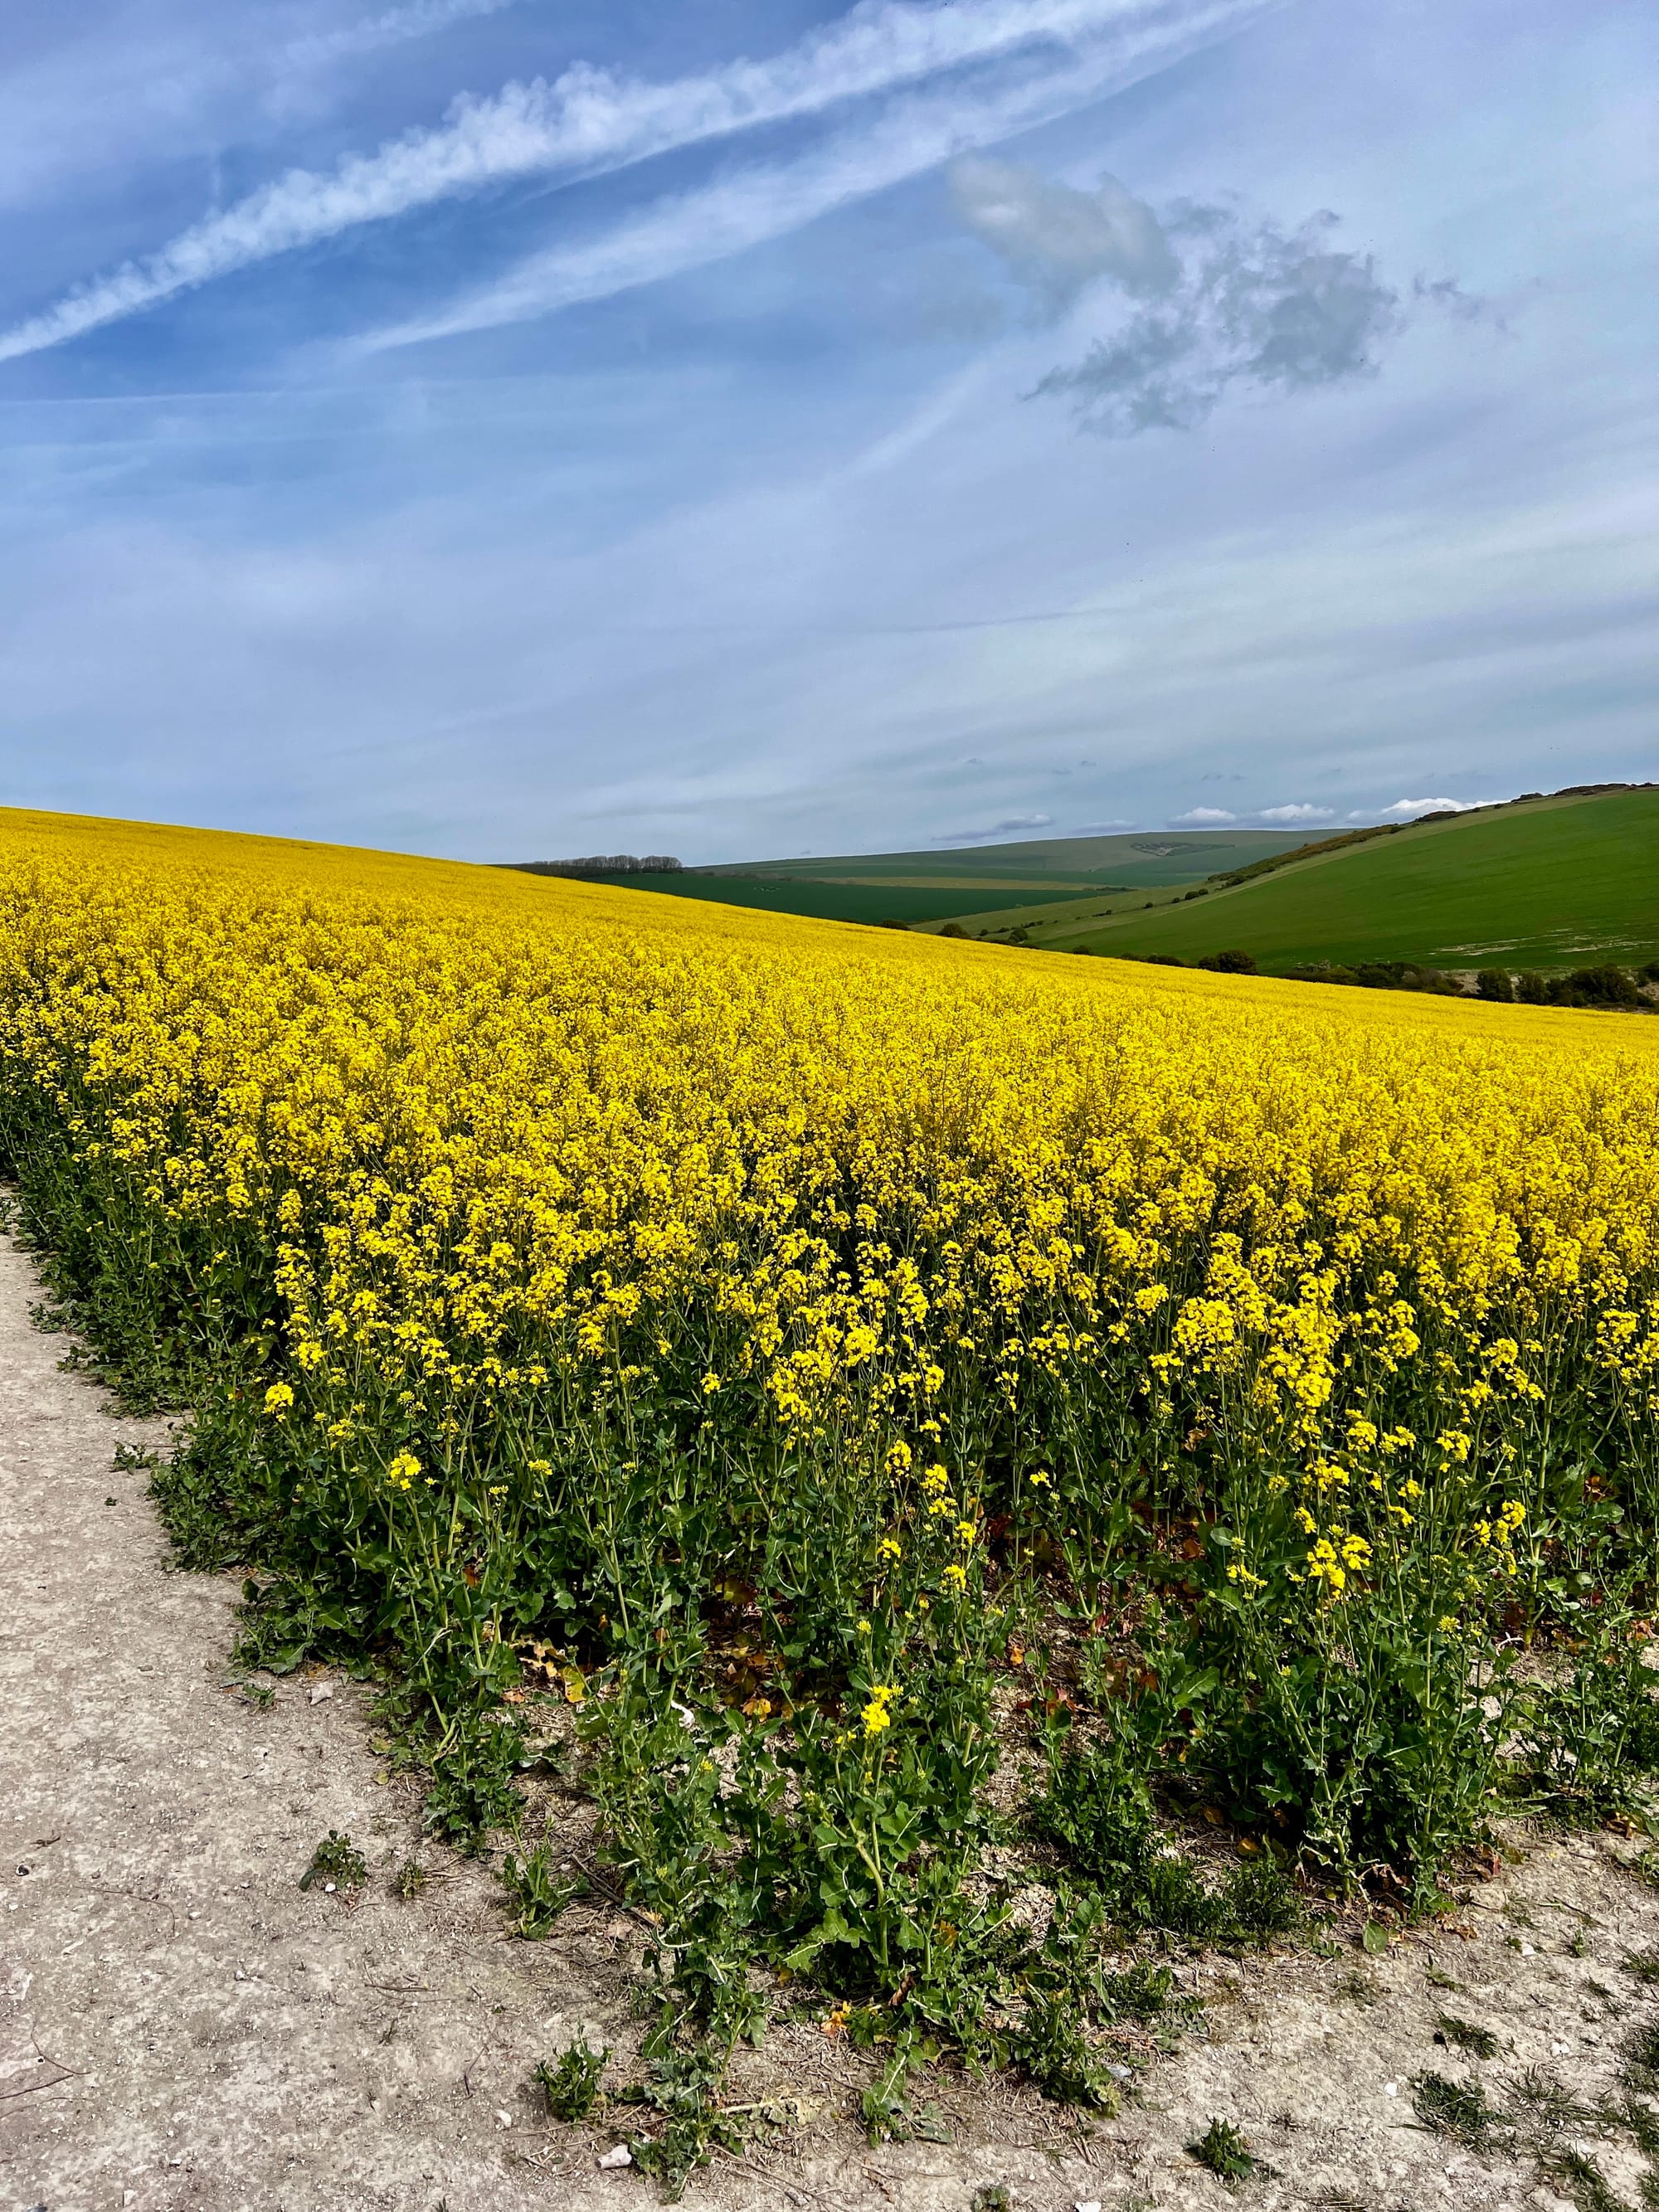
(181, 2025)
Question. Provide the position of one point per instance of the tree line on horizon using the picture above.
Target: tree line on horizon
(604, 863)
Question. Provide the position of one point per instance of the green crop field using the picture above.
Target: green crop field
(1030, 872)
(871, 900)
(930, 887)
(1550, 883)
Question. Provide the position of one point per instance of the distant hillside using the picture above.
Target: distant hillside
(1549, 884)
(919, 888)
(1041, 865)
(873, 901)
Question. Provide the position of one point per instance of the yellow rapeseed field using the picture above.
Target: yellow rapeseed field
(805, 1317)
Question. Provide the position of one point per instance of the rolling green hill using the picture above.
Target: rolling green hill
(1547, 883)
(1040, 866)
(928, 887)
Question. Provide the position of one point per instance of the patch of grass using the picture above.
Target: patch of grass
(337, 1862)
(409, 1880)
(1465, 2036)
(1461, 2111)
(1643, 1965)
(1221, 2150)
(1545, 2109)
(1640, 2068)
(538, 1897)
(1143, 1991)
(1578, 2174)
(1055, 2053)
(572, 2085)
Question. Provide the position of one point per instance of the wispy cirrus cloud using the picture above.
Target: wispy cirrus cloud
(753, 205)
(420, 19)
(590, 121)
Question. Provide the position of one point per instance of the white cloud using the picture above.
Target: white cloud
(1301, 812)
(1249, 304)
(1404, 809)
(590, 121)
(1202, 818)
(1057, 239)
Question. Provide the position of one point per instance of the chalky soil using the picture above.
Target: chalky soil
(182, 2024)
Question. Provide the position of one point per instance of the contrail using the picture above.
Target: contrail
(768, 201)
(587, 123)
(418, 20)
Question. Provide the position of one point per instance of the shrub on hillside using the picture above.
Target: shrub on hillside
(1380, 976)
(1596, 987)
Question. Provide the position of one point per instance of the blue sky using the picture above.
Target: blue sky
(504, 427)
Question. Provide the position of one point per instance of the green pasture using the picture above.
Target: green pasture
(1551, 885)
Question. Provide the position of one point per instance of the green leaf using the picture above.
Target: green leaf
(1375, 1938)
(832, 1929)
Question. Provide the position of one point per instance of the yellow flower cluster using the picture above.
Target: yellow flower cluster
(877, 1714)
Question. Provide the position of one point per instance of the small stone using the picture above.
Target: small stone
(1391, 2089)
(1087, 2205)
(504, 2119)
(319, 1691)
(620, 2155)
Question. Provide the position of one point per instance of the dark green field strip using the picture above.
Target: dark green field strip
(1066, 921)
(1138, 857)
(867, 903)
(1555, 884)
